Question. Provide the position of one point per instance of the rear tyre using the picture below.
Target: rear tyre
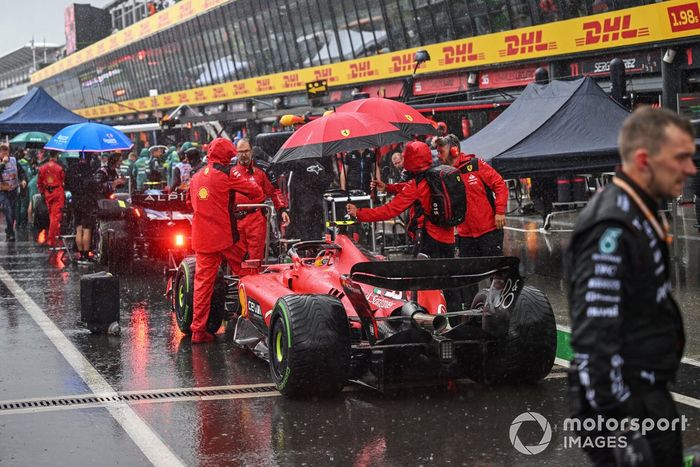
(526, 354)
(114, 244)
(183, 298)
(309, 345)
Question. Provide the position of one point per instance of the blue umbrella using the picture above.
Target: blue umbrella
(89, 137)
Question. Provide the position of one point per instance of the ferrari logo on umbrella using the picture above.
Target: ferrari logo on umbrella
(409, 117)
(49, 179)
(345, 132)
(203, 193)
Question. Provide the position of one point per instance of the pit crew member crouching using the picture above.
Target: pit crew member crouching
(252, 224)
(212, 196)
(434, 241)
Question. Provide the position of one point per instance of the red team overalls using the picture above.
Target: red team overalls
(252, 226)
(50, 185)
(212, 233)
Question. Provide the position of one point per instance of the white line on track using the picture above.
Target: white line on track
(157, 452)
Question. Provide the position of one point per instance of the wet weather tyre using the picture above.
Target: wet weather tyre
(114, 244)
(309, 345)
(183, 299)
(526, 354)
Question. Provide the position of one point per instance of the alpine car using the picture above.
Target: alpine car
(337, 313)
(151, 224)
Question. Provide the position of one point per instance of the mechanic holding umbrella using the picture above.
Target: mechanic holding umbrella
(50, 185)
(434, 241)
(80, 181)
(214, 233)
(252, 224)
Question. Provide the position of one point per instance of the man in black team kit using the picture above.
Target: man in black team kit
(626, 328)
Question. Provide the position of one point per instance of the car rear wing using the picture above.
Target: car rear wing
(433, 274)
(439, 274)
(175, 201)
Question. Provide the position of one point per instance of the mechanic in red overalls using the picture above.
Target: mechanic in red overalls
(434, 241)
(50, 184)
(212, 196)
(252, 224)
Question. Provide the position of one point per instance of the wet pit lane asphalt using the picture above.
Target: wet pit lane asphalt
(237, 419)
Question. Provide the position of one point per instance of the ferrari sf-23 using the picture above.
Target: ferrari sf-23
(337, 313)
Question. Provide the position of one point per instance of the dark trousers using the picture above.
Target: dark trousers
(650, 402)
(435, 249)
(22, 208)
(489, 244)
(8, 200)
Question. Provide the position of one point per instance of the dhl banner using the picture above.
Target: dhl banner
(646, 24)
(164, 19)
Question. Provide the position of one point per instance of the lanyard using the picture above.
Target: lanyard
(661, 230)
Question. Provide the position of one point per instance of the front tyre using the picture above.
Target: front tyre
(309, 345)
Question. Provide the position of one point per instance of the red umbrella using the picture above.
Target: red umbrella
(408, 119)
(338, 132)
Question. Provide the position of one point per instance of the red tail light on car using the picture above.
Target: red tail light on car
(179, 240)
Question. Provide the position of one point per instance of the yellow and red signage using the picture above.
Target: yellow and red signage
(654, 23)
(167, 18)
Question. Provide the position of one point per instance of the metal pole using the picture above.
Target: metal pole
(674, 223)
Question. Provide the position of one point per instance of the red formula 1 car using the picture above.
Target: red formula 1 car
(337, 313)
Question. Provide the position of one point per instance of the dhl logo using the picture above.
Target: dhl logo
(113, 43)
(168, 100)
(154, 101)
(182, 97)
(128, 35)
(145, 28)
(403, 62)
(185, 9)
(325, 73)
(219, 92)
(291, 81)
(110, 109)
(163, 19)
(609, 30)
(100, 48)
(525, 43)
(199, 95)
(362, 70)
(210, 4)
(239, 88)
(460, 53)
(263, 84)
(141, 104)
